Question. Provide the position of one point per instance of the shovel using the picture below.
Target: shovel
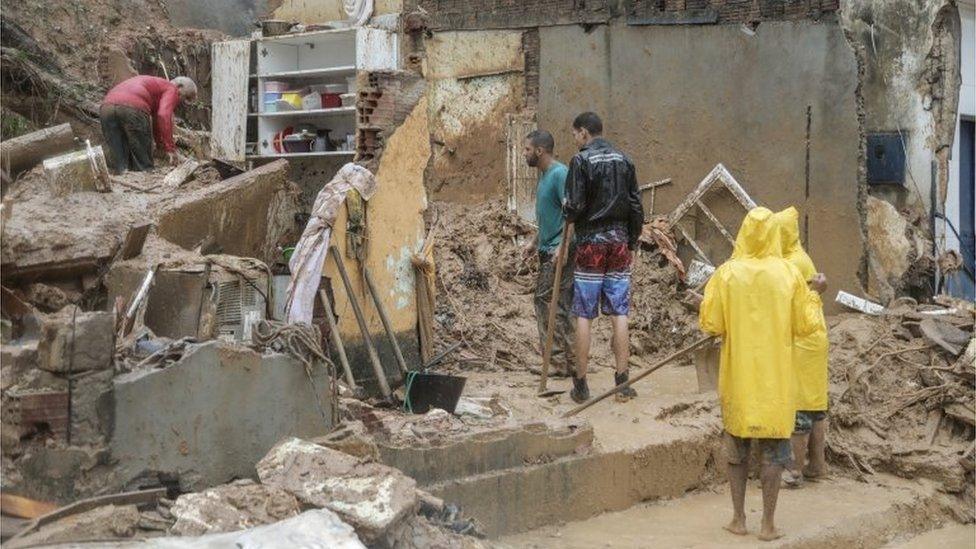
(553, 303)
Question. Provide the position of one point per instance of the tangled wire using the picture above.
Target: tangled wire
(300, 341)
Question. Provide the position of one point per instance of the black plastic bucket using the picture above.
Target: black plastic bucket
(426, 391)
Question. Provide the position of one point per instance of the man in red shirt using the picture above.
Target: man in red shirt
(136, 110)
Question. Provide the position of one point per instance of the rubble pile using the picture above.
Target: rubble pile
(485, 292)
(902, 394)
(364, 502)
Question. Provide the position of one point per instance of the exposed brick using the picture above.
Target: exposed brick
(508, 14)
(531, 48)
(31, 413)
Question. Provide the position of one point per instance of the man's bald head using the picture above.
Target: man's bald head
(187, 88)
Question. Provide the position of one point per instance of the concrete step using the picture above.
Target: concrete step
(577, 487)
(490, 450)
(833, 513)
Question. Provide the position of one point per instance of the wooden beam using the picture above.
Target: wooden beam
(708, 213)
(23, 153)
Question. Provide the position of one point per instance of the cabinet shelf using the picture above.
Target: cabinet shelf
(303, 155)
(336, 111)
(346, 70)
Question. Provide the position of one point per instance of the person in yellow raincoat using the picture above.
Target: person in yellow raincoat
(758, 302)
(810, 363)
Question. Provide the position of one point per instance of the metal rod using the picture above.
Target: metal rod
(337, 341)
(553, 302)
(640, 363)
(387, 325)
(363, 328)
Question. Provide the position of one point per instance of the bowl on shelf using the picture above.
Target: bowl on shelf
(297, 143)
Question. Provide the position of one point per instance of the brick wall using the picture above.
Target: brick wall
(732, 11)
(383, 104)
(507, 14)
(530, 45)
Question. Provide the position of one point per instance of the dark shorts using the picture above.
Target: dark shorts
(772, 451)
(805, 420)
(601, 282)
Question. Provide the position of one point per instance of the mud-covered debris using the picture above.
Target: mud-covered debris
(373, 498)
(236, 506)
(106, 522)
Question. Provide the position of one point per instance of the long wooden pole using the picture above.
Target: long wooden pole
(640, 364)
(387, 325)
(337, 340)
(374, 358)
(553, 303)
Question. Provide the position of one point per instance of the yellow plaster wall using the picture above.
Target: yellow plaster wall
(320, 11)
(395, 229)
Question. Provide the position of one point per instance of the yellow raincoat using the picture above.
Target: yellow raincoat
(758, 302)
(809, 352)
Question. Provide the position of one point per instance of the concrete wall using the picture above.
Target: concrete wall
(680, 99)
(210, 417)
(475, 79)
(904, 73)
(234, 17)
(319, 11)
(395, 231)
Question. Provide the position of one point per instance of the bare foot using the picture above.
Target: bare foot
(770, 534)
(737, 527)
(792, 479)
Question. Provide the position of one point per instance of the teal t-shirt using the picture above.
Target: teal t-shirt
(549, 206)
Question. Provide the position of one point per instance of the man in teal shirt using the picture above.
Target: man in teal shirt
(549, 216)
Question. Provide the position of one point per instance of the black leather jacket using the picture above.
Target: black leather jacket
(602, 193)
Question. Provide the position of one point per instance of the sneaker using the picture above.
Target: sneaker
(580, 392)
(627, 392)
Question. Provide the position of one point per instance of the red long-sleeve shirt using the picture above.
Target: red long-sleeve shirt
(155, 96)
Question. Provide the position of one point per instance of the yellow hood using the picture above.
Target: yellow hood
(787, 224)
(757, 236)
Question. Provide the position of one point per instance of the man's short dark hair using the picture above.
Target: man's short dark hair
(542, 138)
(590, 122)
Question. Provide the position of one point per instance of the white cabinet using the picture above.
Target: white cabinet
(258, 102)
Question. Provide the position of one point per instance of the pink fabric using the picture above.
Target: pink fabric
(154, 96)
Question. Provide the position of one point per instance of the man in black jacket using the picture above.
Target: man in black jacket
(603, 203)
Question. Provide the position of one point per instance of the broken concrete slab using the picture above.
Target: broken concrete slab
(73, 341)
(210, 417)
(231, 507)
(895, 247)
(106, 522)
(89, 415)
(373, 498)
(245, 215)
(26, 151)
(315, 529)
(16, 358)
(73, 235)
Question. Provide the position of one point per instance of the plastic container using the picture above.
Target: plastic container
(275, 86)
(425, 391)
(348, 99)
(331, 100)
(294, 98)
(271, 106)
(335, 88)
(312, 101)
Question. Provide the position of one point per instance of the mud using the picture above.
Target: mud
(894, 401)
(485, 294)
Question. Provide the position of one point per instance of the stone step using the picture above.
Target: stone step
(491, 450)
(836, 512)
(581, 486)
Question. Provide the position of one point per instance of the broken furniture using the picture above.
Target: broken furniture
(652, 187)
(720, 241)
(84, 170)
(213, 296)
